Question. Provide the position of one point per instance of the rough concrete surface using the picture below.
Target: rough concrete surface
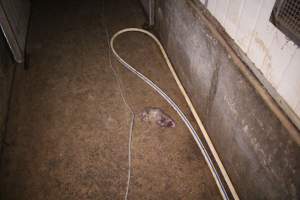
(260, 156)
(68, 127)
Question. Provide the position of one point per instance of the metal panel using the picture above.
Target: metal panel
(289, 84)
(286, 16)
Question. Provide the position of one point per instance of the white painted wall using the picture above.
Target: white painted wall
(247, 22)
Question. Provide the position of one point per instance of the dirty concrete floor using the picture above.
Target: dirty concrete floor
(68, 128)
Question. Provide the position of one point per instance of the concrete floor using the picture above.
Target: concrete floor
(68, 128)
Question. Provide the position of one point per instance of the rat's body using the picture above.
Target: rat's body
(156, 115)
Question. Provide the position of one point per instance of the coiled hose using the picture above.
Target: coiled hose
(169, 100)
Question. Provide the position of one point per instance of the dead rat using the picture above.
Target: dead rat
(158, 116)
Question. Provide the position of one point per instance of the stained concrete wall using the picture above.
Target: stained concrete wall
(258, 152)
(6, 76)
(276, 57)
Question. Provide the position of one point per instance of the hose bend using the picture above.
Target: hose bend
(169, 100)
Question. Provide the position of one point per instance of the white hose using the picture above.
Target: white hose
(170, 101)
(119, 83)
(127, 105)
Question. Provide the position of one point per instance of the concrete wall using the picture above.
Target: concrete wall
(259, 154)
(274, 55)
(6, 75)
